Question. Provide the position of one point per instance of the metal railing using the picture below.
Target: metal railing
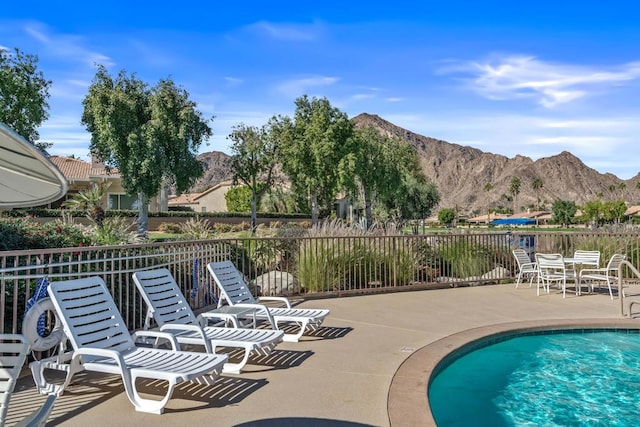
(309, 266)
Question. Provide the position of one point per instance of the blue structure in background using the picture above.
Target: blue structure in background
(513, 221)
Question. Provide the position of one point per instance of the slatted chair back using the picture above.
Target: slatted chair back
(165, 301)
(89, 315)
(14, 349)
(614, 263)
(550, 263)
(521, 256)
(587, 258)
(233, 288)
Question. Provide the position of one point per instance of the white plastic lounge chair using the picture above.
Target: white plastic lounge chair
(169, 308)
(608, 274)
(551, 269)
(14, 349)
(235, 292)
(526, 267)
(102, 343)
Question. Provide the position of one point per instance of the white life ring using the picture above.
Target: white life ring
(30, 326)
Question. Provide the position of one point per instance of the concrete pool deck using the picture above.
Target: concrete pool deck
(365, 367)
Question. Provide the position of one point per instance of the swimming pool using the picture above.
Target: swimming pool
(550, 378)
(408, 400)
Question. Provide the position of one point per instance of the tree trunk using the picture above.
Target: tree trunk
(143, 218)
(314, 210)
(254, 212)
(164, 198)
(367, 209)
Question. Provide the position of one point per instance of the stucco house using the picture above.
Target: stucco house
(82, 175)
(210, 200)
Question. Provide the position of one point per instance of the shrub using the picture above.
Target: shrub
(170, 227)
(196, 228)
(342, 258)
(113, 231)
(243, 226)
(23, 233)
(222, 227)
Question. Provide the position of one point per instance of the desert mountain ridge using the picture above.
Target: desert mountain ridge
(475, 181)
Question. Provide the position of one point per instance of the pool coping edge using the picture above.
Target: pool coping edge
(407, 402)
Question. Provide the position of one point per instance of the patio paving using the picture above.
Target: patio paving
(339, 377)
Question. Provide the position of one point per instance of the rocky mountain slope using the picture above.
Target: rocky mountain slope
(475, 181)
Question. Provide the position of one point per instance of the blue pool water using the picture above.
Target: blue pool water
(551, 379)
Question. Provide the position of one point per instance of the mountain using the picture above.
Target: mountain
(474, 180)
(217, 168)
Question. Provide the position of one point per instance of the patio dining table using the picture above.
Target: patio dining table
(573, 273)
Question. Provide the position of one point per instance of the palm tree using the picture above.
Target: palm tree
(514, 190)
(537, 184)
(90, 200)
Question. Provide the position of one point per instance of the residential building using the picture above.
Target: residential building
(82, 175)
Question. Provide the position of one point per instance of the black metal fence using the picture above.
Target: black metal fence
(309, 266)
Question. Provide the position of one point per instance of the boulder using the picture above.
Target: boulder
(275, 283)
(497, 273)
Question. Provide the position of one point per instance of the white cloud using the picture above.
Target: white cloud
(361, 96)
(70, 47)
(287, 32)
(233, 81)
(298, 87)
(549, 84)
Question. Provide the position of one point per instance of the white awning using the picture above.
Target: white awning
(27, 177)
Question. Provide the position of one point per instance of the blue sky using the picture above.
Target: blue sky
(533, 78)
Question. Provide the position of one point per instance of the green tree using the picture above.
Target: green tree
(613, 211)
(446, 216)
(238, 199)
(537, 185)
(151, 135)
(91, 201)
(563, 212)
(254, 154)
(514, 190)
(23, 94)
(592, 212)
(413, 195)
(313, 148)
(379, 164)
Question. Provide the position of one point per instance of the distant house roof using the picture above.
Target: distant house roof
(532, 215)
(192, 198)
(184, 199)
(487, 218)
(78, 170)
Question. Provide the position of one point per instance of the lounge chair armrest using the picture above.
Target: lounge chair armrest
(283, 300)
(99, 352)
(157, 334)
(260, 308)
(171, 328)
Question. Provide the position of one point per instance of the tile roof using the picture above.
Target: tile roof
(487, 218)
(183, 199)
(79, 169)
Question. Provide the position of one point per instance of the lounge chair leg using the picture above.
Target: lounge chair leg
(235, 368)
(295, 337)
(141, 404)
